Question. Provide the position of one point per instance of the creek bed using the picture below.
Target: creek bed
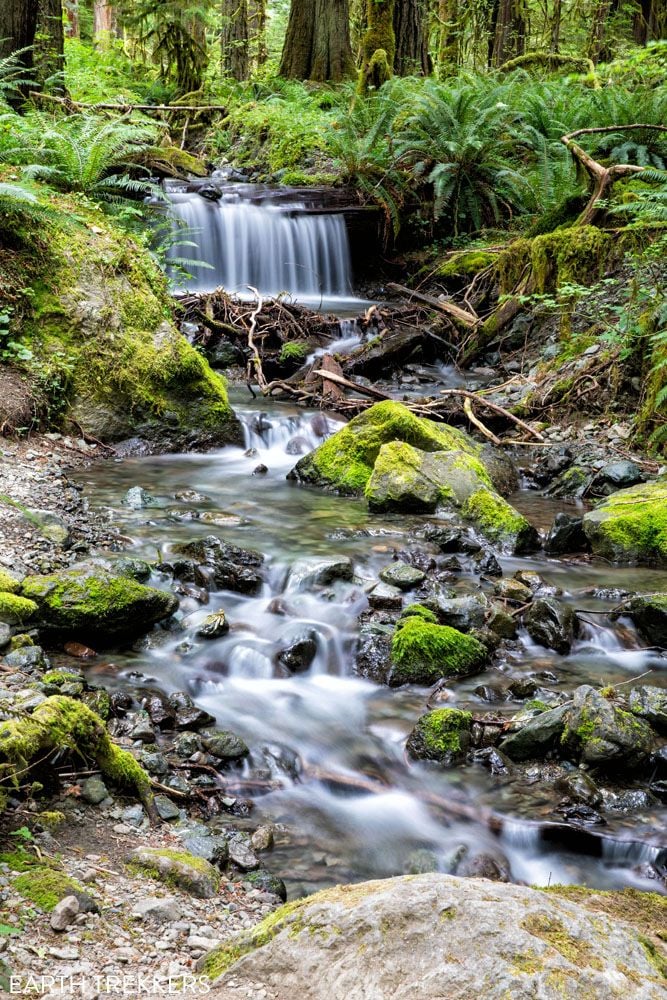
(329, 720)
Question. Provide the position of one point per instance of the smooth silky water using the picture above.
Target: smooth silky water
(310, 733)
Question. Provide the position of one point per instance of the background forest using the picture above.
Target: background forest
(456, 121)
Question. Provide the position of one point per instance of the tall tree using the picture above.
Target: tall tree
(449, 47)
(379, 45)
(317, 44)
(72, 28)
(235, 43)
(650, 21)
(257, 18)
(104, 18)
(509, 31)
(18, 23)
(49, 50)
(411, 34)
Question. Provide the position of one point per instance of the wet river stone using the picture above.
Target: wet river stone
(552, 624)
(402, 575)
(566, 535)
(226, 746)
(419, 937)
(650, 703)
(227, 566)
(442, 735)
(649, 613)
(319, 572)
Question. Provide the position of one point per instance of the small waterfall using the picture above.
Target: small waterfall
(253, 236)
(291, 435)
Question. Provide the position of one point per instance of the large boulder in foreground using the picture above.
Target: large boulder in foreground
(422, 937)
(91, 602)
(404, 463)
(631, 525)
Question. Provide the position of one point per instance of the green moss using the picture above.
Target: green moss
(574, 255)
(422, 653)
(551, 930)
(61, 723)
(20, 641)
(60, 677)
(345, 461)
(466, 263)
(378, 45)
(15, 610)
(45, 887)
(294, 350)
(181, 857)
(83, 601)
(18, 860)
(8, 583)
(499, 521)
(527, 964)
(631, 524)
(536, 705)
(419, 611)
(440, 734)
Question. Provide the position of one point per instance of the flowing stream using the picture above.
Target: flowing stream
(323, 735)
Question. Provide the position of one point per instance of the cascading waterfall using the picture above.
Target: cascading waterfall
(253, 237)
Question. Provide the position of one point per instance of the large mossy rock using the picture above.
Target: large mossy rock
(591, 729)
(92, 603)
(99, 325)
(631, 525)
(423, 652)
(429, 936)
(404, 463)
(442, 735)
(649, 614)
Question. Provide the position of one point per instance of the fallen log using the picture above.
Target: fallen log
(364, 390)
(467, 319)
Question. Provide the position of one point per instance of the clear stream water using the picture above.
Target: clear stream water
(330, 719)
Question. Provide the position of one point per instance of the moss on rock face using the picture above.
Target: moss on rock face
(104, 347)
(15, 610)
(499, 521)
(61, 723)
(82, 602)
(631, 525)
(442, 735)
(345, 461)
(45, 887)
(422, 653)
(179, 868)
(8, 583)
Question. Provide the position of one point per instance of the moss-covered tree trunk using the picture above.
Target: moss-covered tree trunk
(379, 45)
(104, 22)
(317, 45)
(509, 31)
(234, 41)
(257, 15)
(411, 34)
(49, 57)
(448, 37)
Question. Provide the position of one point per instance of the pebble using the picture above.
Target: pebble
(64, 912)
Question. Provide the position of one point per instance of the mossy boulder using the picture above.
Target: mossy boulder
(99, 325)
(344, 463)
(401, 462)
(93, 603)
(434, 935)
(649, 614)
(422, 652)
(442, 735)
(177, 868)
(8, 583)
(15, 610)
(631, 525)
(61, 723)
(602, 734)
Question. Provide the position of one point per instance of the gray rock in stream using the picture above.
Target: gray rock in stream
(650, 703)
(566, 535)
(537, 736)
(649, 614)
(402, 575)
(604, 735)
(421, 937)
(319, 572)
(551, 623)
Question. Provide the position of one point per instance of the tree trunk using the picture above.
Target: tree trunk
(649, 23)
(18, 23)
(103, 23)
(49, 55)
(379, 45)
(235, 41)
(257, 30)
(317, 45)
(411, 34)
(448, 37)
(509, 36)
(596, 39)
(359, 26)
(555, 26)
(72, 29)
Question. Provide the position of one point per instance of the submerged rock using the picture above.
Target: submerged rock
(423, 936)
(566, 535)
(631, 525)
(442, 735)
(319, 572)
(90, 601)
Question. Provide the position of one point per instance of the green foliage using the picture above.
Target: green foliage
(84, 153)
(10, 349)
(458, 140)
